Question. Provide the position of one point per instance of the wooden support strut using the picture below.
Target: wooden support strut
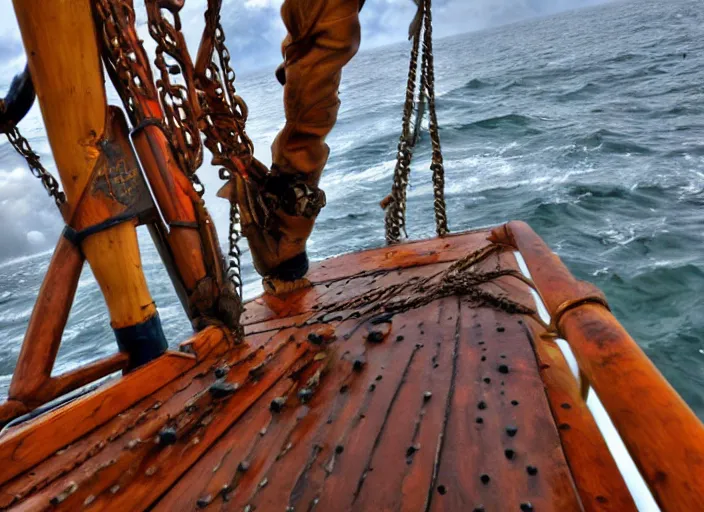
(86, 138)
(662, 434)
(191, 242)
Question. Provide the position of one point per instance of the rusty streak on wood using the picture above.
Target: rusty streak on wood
(662, 434)
(598, 480)
(61, 46)
(32, 443)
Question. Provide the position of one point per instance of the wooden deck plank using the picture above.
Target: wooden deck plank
(362, 437)
(368, 438)
(87, 452)
(598, 480)
(34, 442)
(403, 460)
(489, 442)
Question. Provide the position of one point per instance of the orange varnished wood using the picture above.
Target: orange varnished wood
(596, 476)
(329, 413)
(598, 480)
(436, 250)
(143, 472)
(175, 196)
(91, 372)
(61, 46)
(662, 434)
(125, 428)
(310, 300)
(473, 465)
(46, 325)
(11, 409)
(31, 443)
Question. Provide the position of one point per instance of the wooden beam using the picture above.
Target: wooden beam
(662, 434)
(60, 42)
(30, 444)
(46, 325)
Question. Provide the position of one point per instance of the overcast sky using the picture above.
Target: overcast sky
(27, 216)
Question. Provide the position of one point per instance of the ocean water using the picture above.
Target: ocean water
(588, 125)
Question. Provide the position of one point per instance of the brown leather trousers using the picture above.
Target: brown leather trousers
(278, 215)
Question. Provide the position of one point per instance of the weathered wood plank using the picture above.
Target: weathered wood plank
(661, 432)
(411, 254)
(31, 443)
(488, 441)
(598, 480)
(366, 437)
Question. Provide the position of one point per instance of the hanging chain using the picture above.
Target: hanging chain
(395, 203)
(206, 103)
(224, 112)
(22, 146)
(234, 270)
(436, 166)
(179, 103)
(395, 218)
(124, 57)
(223, 120)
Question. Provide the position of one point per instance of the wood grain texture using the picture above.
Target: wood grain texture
(598, 480)
(46, 325)
(662, 434)
(31, 443)
(448, 406)
(60, 42)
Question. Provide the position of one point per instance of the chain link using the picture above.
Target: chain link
(437, 165)
(179, 103)
(395, 218)
(22, 146)
(124, 57)
(224, 117)
(234, 271)
(207, 102)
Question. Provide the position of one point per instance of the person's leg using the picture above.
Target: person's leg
(323, 35)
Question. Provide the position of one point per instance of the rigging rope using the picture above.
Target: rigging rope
(395, 203)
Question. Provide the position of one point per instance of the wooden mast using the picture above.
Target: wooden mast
(87, 140)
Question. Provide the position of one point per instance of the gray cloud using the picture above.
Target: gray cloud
(29, 220)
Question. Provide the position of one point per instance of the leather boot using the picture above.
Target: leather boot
(278, 212)
(277, 217)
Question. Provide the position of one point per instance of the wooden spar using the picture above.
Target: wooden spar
(46, 325)
(198, 262)
(662, 434)
(25, 447)
(598, 480)
(175, 196)
(104, 190)
(32, 384)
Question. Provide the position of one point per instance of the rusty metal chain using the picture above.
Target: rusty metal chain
(437, 165)
(124, 57)
(206, 103)
(22, 146)
(179, 103)
(223, 122)
(395, 218)
(395, 203)
(234, 270)
(224, 112)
